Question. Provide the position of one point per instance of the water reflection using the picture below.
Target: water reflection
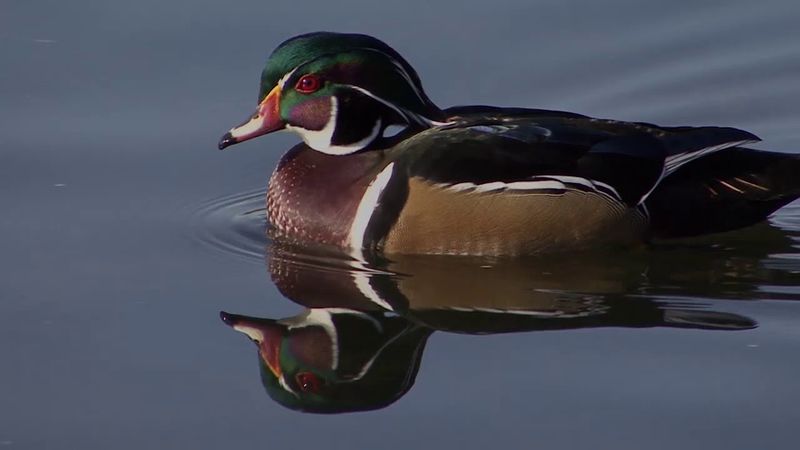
(330, 360)
(359, 342)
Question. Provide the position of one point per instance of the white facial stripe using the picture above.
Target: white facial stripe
(374, 357)
(360, 314)
(284, 78)
(398, 110)
(408, 115)
(286, 386)
(320, 140)
(408, 79)
(366, 207)
(400, 69)
(403, 72)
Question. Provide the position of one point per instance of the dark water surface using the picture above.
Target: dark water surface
(125, 233)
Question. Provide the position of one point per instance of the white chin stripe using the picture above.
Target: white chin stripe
(320, 140)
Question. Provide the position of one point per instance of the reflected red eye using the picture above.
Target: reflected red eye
(308, 84)
(308, 382)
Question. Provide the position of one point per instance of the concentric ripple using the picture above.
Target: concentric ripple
(234, 224)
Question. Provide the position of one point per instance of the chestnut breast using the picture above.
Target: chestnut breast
(313, 197)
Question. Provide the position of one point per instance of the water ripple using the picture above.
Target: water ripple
(234, 224)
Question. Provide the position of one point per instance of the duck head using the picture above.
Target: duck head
(339, 92)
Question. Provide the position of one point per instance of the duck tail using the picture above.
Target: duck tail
(730, 189)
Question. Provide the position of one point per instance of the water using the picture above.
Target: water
(126, 233)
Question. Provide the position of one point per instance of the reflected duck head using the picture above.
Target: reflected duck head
(334, 360)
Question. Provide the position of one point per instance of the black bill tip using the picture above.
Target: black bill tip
(226, 141)
(229, 319)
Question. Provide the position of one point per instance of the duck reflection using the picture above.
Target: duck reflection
(359, 342)
(330, 360)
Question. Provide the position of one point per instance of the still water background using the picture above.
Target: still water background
(109, 116)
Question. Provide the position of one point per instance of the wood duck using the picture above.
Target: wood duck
(484, 180)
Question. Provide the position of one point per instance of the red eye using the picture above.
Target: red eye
(308, 84)
(308, 382)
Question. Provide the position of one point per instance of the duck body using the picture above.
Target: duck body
(484, 180)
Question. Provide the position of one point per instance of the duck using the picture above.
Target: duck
(382, 169)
